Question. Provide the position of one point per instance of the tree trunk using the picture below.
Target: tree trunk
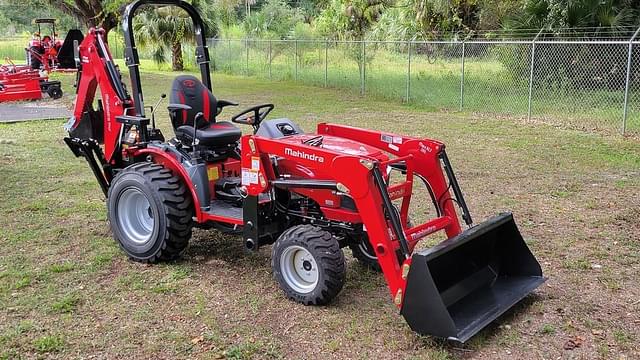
(109, 23)
(177, 63)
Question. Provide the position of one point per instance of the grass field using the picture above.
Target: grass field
(432, 79)
(67, 291)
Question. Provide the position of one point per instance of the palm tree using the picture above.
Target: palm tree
(164, 30)
(586, 17)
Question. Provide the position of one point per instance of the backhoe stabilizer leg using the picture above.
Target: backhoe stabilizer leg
(90, 150)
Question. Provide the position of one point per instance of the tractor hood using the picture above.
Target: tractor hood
(336, 144)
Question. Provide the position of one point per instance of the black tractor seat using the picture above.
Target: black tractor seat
(189, 97)
(218, 134)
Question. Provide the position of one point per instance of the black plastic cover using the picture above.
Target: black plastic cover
(278, 128)
(66, 53)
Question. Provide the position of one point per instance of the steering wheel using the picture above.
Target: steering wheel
(253, 116)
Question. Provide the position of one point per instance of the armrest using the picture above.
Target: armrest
(132, 120)
(223, 103)
(175, 107)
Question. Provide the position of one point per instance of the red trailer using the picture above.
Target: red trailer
(20, 82)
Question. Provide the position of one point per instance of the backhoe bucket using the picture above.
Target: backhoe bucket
(459, 286)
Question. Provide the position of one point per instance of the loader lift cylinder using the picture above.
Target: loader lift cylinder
(391, 210)
(448, 169)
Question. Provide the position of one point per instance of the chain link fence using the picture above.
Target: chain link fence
(589, 85)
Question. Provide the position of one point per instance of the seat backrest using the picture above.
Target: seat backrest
(189, 90)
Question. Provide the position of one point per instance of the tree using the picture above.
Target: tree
(276, 20)
(19, 16)
(436, 17)
(226, 10)
(610, 16)
(92, 13)
(166, 28)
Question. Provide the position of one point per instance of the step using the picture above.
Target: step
(225, 209)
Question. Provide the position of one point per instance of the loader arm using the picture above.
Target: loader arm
(425, 158)
(354, 176)
(452, 290)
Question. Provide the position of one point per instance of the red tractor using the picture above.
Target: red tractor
(50, 53)
(42, 50)
(308, 194)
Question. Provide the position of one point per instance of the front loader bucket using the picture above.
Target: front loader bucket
(459, 286)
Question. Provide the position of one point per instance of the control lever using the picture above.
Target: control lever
(154, 108)
(198, 116)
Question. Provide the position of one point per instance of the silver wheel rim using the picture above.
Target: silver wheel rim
(135, 216)
(299, 269)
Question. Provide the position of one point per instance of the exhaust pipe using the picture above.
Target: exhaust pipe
(459, 286)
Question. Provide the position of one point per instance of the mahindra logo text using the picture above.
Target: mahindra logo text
(303, 155)
(396, 193)
(422, 233)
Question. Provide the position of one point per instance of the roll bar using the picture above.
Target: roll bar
(131, 52)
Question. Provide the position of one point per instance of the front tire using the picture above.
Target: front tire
(150, 213)
(308, 264)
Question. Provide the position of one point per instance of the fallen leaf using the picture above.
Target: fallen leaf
(196, 340)
(573, 343)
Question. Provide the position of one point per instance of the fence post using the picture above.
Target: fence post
(326, 61)
(533, 56)
(246, 47)
(270, 59)
(362, 73)
(296, 58)
(627, 83)
(229, 55)
(408, 71)
(462, 77)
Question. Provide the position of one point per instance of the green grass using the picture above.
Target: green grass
(47, 344)
(13, 49)
(67, 289)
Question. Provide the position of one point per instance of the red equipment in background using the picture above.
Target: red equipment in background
(46, 53)
(50, 53)
(308, 194)
(42, 50)
(20, 82)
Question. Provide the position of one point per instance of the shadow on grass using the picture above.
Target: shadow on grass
(498, 331)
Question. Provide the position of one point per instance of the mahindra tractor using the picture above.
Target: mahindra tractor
(307, 194)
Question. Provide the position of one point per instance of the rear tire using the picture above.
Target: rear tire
(150, 212)
(308, 264)
(32, 59)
